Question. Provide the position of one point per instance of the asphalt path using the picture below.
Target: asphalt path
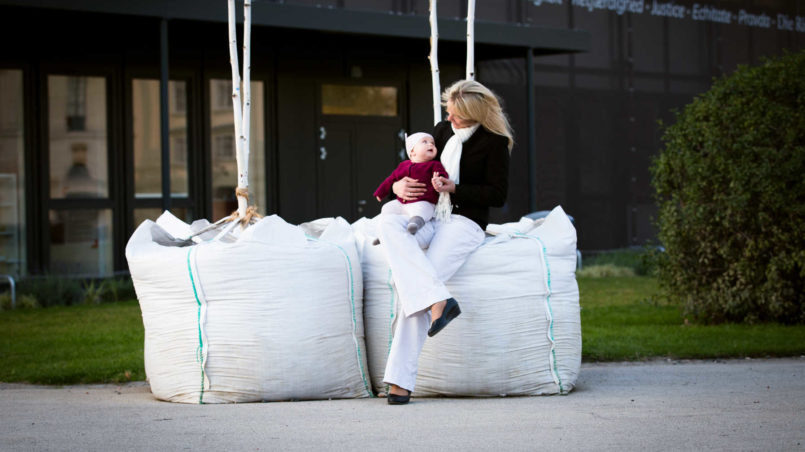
(661, 405)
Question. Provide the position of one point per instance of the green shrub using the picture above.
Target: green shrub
(23, 301)
(731, 189)
(118, 289)
(94, 292)
(52, 290)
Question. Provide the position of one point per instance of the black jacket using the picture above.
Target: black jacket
(484, 172)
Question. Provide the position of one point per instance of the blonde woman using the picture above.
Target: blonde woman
(475, 144)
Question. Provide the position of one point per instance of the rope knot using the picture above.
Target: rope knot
(251, 216)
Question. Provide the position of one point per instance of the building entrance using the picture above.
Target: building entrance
(360, 141)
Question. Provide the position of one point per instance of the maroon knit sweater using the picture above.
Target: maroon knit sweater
(423, 172)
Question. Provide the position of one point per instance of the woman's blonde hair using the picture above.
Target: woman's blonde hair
(475, 102)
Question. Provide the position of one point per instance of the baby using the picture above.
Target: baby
(420, 166)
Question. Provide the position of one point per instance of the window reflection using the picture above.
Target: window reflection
(359, 100)
(146, 126)
(224, 165)
(78, 137)
(221, 94)
(76, 103)
(178, 97)
(12, 174)
(81, 242)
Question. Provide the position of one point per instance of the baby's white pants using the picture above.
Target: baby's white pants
(422, 209)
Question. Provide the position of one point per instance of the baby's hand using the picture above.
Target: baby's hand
(378, 199)
(436, 181)
(442, 184)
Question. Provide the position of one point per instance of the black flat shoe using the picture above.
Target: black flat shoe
(394, 399)
(451, 311)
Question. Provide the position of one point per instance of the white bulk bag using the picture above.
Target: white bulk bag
(274, 315)
(519, 332)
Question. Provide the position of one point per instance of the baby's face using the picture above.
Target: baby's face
(423, 151)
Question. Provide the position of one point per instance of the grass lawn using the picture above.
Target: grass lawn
(72, 344)
(621, 319)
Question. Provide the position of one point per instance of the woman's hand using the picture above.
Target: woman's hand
(408, 189)
(442, 184)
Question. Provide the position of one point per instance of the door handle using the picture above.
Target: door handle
(403, 152)
(322, 153)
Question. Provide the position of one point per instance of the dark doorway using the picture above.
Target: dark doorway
(360, 139)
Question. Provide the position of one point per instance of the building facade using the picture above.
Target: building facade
(91, 145)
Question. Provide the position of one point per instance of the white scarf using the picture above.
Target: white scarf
(451, 159)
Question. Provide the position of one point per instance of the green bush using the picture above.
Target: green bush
(23, 301)
(731, 190)
(94, 292)
(52, 290)
(118, 289)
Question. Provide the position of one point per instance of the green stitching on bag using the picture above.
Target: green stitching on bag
(200, 349)
(544, 252)
(354, 317)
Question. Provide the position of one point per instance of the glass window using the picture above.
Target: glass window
(647, 43)
(497, 11)
(687, 47)
(603, 48)
(734, 48)
(546, 13)
(224, 146)
(12, 174)
(359, 100)
(76, 103)
(221, 94)
(224, 165)
(178, 97)
(376, 5)
(148, 143)
(81, 242)
(451, 9)
(78, 137)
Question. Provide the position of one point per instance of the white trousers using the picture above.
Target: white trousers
(419, 277)
(422, 209)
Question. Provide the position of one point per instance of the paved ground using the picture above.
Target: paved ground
(723, 405)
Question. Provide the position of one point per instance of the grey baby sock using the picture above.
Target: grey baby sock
(414, 224)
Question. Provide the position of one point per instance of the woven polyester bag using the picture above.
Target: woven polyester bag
(519, 332)
(274, 314)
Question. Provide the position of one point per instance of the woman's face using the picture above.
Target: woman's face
(457, 121)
